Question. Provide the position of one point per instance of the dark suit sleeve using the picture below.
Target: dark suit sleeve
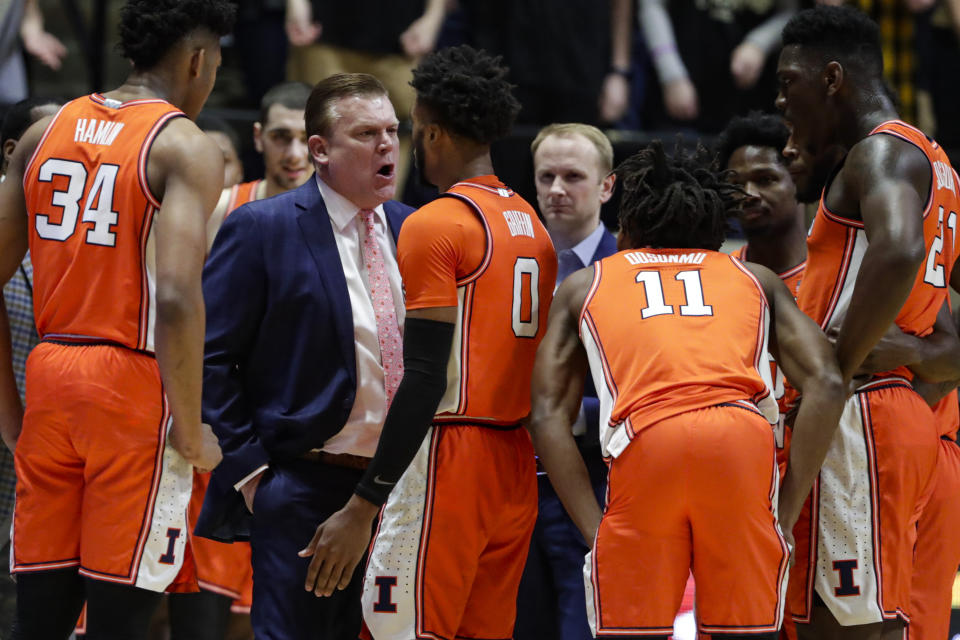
(591, 411)
(234, 287)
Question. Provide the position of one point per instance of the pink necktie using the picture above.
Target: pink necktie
(388, 331)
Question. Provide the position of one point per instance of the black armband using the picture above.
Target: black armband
(426, 351)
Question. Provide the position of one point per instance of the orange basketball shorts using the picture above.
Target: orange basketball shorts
(856, 534)
(695, 491)
(98, 488)
(222, 568)
(453, 538)
(937, 553)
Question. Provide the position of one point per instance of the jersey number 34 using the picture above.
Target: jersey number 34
(97, 207)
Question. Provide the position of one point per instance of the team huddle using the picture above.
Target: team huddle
(375, 388)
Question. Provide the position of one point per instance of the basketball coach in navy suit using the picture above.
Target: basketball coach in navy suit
(304, 305)
(573, 166)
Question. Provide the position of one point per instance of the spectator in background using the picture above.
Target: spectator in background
(23, 18)
(570, 61)
(572, 167)
(261, 45)
(384, 39)
(938, 58)
(20, 336)
(229, 142)
(712, 59)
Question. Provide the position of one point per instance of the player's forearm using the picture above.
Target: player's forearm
(566, 470)
(938, 358)
(883, 284)
(817, 420)
(11, 409)
(934, 392)
(426, 350)
(179, 350)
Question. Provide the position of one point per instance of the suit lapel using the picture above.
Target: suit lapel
(607, 247)
(315, 225)
(395, 217)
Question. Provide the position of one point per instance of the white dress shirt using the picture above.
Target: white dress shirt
(361, 432)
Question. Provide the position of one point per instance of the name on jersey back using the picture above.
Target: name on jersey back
(642, 257)
(519, 223)
(93, 131)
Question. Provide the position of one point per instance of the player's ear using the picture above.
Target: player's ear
(197, 57)
(833, 76)
(8, 148)
(606, 187)
(258, 137)
(319, 150)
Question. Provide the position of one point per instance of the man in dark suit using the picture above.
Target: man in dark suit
(572, 169)
(304, 305)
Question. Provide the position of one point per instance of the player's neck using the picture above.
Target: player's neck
(870, 109)
(471, 166)
(778, 252)
(142, 85)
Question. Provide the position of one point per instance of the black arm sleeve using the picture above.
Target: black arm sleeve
(426, 351)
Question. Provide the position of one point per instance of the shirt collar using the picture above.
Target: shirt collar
(588, 246)
(341, 210)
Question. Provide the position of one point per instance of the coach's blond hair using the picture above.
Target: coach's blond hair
(591, 133)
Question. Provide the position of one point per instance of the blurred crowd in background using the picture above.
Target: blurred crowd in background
(637, 68)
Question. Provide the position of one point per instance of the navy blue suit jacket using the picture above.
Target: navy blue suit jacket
(279, 374)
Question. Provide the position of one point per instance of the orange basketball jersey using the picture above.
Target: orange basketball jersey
(672, 330)
(91, 219)
(836, 245)
(791, 277)
(241, 194)
(500, 275)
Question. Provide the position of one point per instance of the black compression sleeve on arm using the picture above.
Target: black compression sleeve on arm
(426, 350)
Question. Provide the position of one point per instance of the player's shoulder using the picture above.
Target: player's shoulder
(445, 213)
(881, 155)
(181, 147)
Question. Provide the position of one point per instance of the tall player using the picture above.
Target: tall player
(878, 253)
(280, 135)
(675, 334)
(115, 193)
(454, 466)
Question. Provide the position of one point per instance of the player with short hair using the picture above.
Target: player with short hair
(112, 195)
(454, 466)
(878, 252)
(675, 335)
(750, 148)
(280, 135)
